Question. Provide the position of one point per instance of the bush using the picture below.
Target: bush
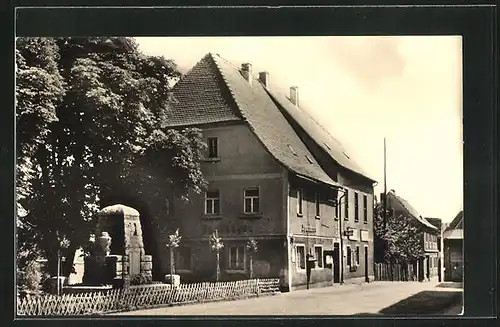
(141, 279)
(29, 276)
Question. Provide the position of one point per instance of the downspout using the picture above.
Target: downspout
(341, 237)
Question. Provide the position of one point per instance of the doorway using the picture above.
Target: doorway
(367, 279)
(336, 263)
(427, 267)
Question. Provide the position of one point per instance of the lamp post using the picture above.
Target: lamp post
(63, 244)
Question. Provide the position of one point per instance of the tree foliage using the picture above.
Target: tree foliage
(400, 241)
(89, 115)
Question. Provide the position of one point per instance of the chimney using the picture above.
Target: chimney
(246, 71)
(264, 79)
(294, 95)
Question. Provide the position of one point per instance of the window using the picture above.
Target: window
(318, 252)
(317, 201)
(365, 209)
(356, 206)
(251, 196)
(346, 205)
(349, 257)
(301, 256)
(183, 258)
(357, 255)
(300, 197)
(212, 203)
(236, 258)
(213, 147)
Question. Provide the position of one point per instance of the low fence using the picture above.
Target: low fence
(142, 296)
(394, 272)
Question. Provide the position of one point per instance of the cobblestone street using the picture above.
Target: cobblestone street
(362, 299)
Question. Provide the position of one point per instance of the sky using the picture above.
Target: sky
(407, 89)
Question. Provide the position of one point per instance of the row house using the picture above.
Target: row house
(438, 223)
(275, 175)
(453, 237)
(428, 265)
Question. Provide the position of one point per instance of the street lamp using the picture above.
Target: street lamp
(63, 244)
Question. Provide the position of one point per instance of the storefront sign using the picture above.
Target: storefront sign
(226, 228)
(308, 229)
(349, 232)
(353, 234)
(364, 236)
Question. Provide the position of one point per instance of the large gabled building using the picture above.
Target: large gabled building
(274, 175)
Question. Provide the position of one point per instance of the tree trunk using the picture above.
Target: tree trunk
(251, 267)
(217, 276)
(172, 268)
(67, 266)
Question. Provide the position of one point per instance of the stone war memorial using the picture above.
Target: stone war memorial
(118, 257)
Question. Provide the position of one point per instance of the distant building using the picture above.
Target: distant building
(438, 223)
(275, 175)
(453, 237)
(428, 264)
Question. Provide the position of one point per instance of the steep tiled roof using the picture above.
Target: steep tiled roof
(453, 234)
(437, 222)
(456, 229)
(412, 211)
(319, 134)
(201, 99)
(457, 222)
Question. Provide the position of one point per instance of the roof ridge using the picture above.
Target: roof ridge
(190, 70)
(318, 123)
(231, 91)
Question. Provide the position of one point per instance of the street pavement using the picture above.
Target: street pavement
(355, 299)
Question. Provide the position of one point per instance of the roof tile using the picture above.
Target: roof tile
(319, 134)
(200, 97)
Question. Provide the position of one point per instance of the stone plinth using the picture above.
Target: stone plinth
(126, 257)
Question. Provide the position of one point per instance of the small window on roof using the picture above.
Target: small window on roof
(327, 146)
(291, 149)
(309, 159)
(345, 154)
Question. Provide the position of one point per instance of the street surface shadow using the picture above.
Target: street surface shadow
(450, 285)
(425, 303)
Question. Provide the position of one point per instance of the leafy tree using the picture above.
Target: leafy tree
(400, 240)
(89, 117)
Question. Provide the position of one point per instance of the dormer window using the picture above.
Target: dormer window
(292, 150)
(309, 159)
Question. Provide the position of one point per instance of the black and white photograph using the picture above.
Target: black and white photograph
(225, 176)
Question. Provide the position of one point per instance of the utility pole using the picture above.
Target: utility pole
(385, 185)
